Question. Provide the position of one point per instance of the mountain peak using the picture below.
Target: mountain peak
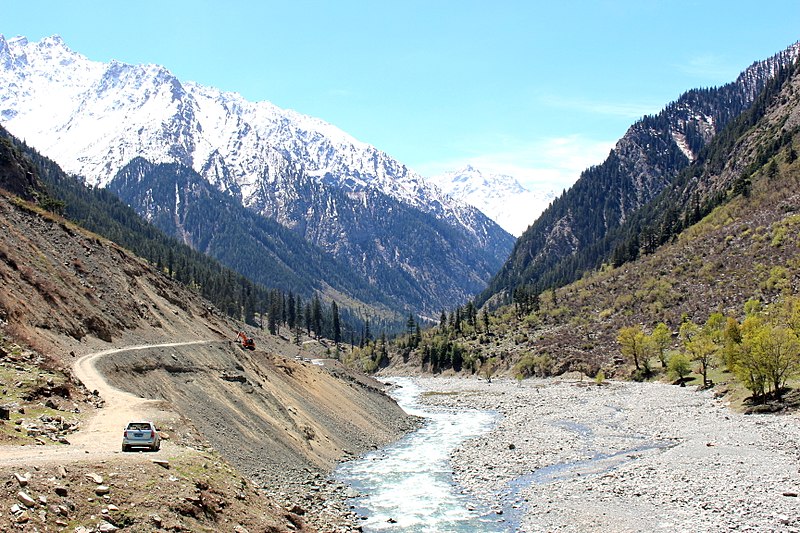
(499, 196)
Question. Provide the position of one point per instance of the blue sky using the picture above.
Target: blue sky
(539, 90)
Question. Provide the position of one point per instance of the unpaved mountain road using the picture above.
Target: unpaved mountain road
(101, 435)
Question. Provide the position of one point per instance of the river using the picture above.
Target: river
(409, 485)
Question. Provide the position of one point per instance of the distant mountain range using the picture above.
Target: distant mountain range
(384, 223)
(501, 197)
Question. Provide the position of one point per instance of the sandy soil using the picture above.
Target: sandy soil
(570, 456)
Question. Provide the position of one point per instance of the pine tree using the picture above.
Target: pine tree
(316, 316)
(337, 330)
(410, 323)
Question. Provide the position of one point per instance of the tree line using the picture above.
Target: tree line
(762, 349)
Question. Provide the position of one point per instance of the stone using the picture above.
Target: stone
(25, 499)
(97, 478)
(102, 489)
(161, 462)
(22, 479)
(105, 527)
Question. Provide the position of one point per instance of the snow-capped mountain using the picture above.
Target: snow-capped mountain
(499, 196)
(95, 118)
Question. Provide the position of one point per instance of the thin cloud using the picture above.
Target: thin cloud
(617, 109)
(707, 67)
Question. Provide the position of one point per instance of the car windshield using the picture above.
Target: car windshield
(139, 426)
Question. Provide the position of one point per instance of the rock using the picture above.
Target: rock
(296, 509)
(102, 489)
(112, 508)
(22, 479)
(97, 478)
(61, 491)
(156, 520)
(26, 499)
(161, 462)
(62, 472)
(105, 527)
(790, 494)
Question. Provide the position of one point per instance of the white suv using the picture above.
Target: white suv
(141, 435)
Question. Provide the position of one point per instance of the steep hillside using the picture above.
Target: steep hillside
(95, 118)
(572, 235)
(380, 252)
(66, 292)
(181, 203)
(744, 245)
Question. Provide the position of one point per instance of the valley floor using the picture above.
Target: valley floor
(574, 456)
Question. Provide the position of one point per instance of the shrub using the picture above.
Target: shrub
(679, 366)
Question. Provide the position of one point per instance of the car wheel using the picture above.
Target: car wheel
(125, 448)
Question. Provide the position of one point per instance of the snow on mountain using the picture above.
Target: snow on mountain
(93, 118)
(500, 197)
(345, 197)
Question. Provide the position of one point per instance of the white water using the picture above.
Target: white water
(409, 485)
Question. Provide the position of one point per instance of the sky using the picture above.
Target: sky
(538, 90)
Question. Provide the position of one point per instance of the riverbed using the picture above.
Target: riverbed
(561, 455)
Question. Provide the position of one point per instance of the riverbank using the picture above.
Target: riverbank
(571, 456)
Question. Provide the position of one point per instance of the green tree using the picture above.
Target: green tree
(661, 338)
(631, 341)
(337, 328)
(699, 346)
(316, 316)
(772, 358)
(410, 323)
(679, 366)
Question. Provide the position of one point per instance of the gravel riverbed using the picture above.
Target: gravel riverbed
(574, 456)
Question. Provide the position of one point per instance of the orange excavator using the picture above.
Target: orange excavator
(245, 341)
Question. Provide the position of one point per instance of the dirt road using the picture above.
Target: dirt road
(101, 435)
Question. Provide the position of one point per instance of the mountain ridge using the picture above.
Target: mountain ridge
(570, 236)
(94, 118)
